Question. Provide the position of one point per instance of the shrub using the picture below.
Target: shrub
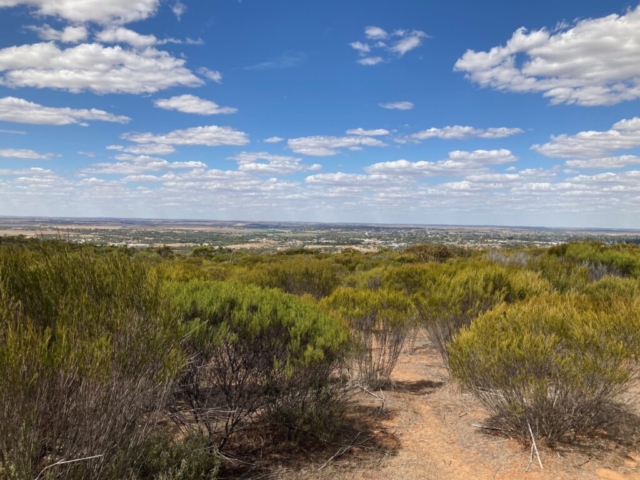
(453, 299)
(251, 351)
(87, 352)
(553, 363)
(297, 276)
(428, 252)
(380, 322)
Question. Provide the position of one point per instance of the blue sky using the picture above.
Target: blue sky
(459, 112)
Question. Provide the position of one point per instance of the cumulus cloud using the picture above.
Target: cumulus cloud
(99, 11)
(18, 110)
(274, 139)
(605, 162)
(73, 34)
(144, 149)
(264, 163)
(370, 61)
(375, 33)
(385, 46)
(23, 154)
(595, 62)
(124, 35)
(368, 133)
(321, 146)
(397, 105)
(624, 135)
(193, 104)
(458, 163)
(93, 67)
(212, 75)
(131, 165)
(459, 132)
(211, 136)
(179, 9)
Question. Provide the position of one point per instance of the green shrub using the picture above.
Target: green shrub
(458, 294)
(556, 364)
(87, 352)
(251, 351)
(298, 276)
(380, 322)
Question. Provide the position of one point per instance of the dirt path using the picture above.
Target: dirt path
(433, 423)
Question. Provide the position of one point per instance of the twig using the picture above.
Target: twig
(535, 447)
(484, 427)
(340, 452)
(379, 397)
(64, 462)
(530, 460)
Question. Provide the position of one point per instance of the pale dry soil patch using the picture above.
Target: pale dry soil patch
(428, 429)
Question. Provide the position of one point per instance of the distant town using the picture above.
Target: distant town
(184, 235)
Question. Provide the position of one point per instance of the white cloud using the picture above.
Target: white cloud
(193, 104)
(212, 75)
(381, 51)
(370, 61)
(263, 163)
(460, 132)
(397, 105)
(605, 162)
(179, 9)
(410, 42)
(375, 33)
(321, 146)
(360, 47)
(368, 133)
(93, 67)
(274, 139)
(22, 111)
(596, 62)
(68, 35)
(13, 132)
(23, 154)
(99, 11)
(124, 35)
(211, 136)
(624, 135)
(286, 60)
(144, 149)
(458, 163)
(131, 165)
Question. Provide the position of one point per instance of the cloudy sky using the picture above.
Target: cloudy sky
(403, 111)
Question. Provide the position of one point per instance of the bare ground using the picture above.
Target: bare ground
(428, 430)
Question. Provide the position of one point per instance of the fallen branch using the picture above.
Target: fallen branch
(535, 447)
(340, 452)
(484, 427)
(64, 462)
(379, 397)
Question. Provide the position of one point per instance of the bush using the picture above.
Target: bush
(380, 322)
(451, 300)
(554, 363)
(87, 352)
(298, 276)
(252, 351)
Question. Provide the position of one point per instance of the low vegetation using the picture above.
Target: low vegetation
(124, 364)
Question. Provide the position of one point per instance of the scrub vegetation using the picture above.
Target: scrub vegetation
(118, 363)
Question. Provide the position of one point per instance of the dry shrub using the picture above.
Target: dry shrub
(381, 322)
(556, 364)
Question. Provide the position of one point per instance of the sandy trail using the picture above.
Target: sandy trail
(433, 422)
